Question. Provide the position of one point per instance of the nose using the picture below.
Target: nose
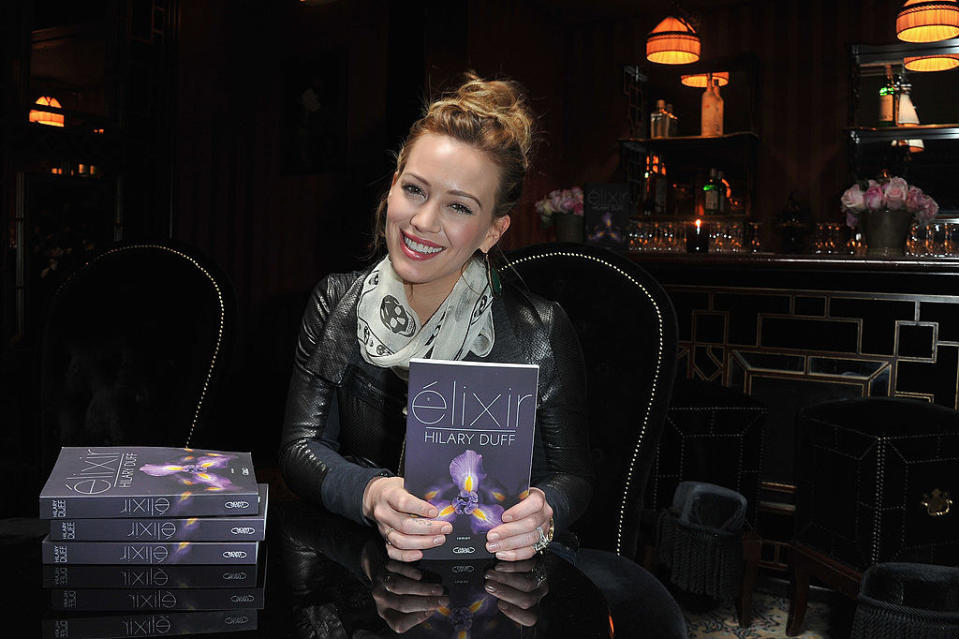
(427, 217)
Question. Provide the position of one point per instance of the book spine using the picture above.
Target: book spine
(150, 625)
(160, 599)
(174, 576)
(192, 529)
(102, 506)
(111, 552)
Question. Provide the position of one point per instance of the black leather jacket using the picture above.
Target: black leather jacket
(344, 419)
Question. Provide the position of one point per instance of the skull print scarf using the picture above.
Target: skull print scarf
(390, 334)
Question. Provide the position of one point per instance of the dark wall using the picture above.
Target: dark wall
(802, 50)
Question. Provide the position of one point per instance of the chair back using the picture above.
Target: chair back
(627, 330)
(135, 344)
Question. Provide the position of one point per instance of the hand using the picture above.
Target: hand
(519, 586)
(402, 599)
(402, 519)
(513, 540)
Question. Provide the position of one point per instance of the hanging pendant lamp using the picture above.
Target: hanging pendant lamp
(673, 41)
(940, 62)
(49, 118)
(701, 80)
(927, 20)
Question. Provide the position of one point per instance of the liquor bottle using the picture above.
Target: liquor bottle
(712, 116)
(658, 120)
(672, 127)
(721, 188)
(887, 100)
(711, 191)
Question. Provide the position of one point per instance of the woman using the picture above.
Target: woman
(458, 175)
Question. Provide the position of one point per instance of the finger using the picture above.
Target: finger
(516, 555)
(402, 501)
(397, 554)
(524, 600)
(521, 581)
(534, 502)
(409, 603)
(422, 526)
(400, 585)
(526, 618)
(516, 541)
(513, 566)
(400, 622)
(414, 542)
(404, 569)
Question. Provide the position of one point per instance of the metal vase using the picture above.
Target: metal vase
(886, 232)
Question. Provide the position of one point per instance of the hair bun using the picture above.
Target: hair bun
(502, 102)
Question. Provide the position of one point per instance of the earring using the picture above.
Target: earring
(492, 277)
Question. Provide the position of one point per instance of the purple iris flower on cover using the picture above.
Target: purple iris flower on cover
(469, 494)
(192, 470)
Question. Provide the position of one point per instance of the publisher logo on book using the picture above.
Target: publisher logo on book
(231, 505)
(463, 550)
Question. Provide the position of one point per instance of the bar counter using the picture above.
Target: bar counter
(796, 329)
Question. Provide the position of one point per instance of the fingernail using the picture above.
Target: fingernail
(490, 587)
(507, 518)
(492, 547)
(439, 539)
(447, 529)
(503, 555)
(492, 536)
(433, 513)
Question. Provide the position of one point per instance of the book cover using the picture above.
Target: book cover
(469, 445)
(606, 209)
(149, 625)
(243, 528)
(148, 553)
(472, 612)
(148, 481)
(172, 576)
(156, 599)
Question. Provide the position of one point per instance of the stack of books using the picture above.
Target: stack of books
(168, 536)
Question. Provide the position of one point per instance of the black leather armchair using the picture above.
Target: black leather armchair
(627, 329)
(135, 345)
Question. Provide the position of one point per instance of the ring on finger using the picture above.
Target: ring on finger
(386, 536)
(543, 541)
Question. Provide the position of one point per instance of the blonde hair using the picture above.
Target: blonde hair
(492, 116)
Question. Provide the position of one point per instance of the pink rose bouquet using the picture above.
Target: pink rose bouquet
(890, 194)
(560, 201)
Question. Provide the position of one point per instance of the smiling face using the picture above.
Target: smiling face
(440, 210)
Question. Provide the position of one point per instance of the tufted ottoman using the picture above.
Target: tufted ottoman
(876, 481)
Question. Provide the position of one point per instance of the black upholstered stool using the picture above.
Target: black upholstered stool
(712, 434)
(909, 601)
(876, 481)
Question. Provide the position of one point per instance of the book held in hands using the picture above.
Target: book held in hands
(469, 445)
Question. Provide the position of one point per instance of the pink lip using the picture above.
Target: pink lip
(413, 255)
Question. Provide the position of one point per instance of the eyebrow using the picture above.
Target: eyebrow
(454, 191)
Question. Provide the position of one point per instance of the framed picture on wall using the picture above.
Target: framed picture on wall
(315, 120)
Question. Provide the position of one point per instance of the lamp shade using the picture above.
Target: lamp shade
(47, 117)
(927, 20)
(701, 80)
(673, 41)
(941, 62)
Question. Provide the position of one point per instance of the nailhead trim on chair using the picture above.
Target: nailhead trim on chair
(219, 336)
(659, 361)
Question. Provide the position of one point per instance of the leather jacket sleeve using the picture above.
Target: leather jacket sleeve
(564, 470)
(309, 450)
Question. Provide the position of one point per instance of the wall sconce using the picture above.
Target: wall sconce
(701, 80)
(927, 20)
(673, 41)
(47, 117)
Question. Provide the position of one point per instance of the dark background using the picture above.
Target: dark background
(196, 99)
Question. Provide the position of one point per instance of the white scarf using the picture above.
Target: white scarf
(390, 334)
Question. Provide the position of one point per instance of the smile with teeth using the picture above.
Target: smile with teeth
(420, 248)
